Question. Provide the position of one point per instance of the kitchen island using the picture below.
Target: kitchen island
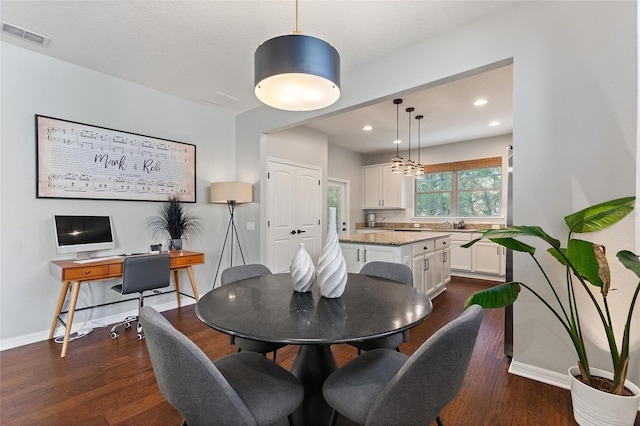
(426, 253)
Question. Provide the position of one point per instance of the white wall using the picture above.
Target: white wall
(575, 86)
(36, 84)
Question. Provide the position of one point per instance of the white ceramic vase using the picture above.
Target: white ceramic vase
(332, 268)
(302, 270)
(593, 407)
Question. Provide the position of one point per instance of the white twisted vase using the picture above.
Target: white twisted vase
(302, 270)
(332, 268)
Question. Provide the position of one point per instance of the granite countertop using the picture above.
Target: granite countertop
(393, 238)
(404, 227)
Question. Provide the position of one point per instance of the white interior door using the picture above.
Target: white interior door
(338, 197)
(294, 212)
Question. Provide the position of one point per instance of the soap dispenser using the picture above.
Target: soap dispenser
(461, 224)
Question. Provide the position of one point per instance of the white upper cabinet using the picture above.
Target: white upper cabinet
(383, 189)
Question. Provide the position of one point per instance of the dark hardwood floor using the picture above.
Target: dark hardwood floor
(110, 382)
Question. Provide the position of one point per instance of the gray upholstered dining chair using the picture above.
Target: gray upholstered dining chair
(385, 387)
(395, 272)
(239, 389)
(243, 272)
(139, 274)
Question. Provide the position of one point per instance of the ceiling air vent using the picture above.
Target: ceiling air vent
(24, 34)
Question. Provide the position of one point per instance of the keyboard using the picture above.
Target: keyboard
(96, 259)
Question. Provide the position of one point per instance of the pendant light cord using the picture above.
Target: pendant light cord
(419, 117)
(297, 30)
(397, 125)
(410, 110)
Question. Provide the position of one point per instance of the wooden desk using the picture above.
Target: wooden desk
(73, 274)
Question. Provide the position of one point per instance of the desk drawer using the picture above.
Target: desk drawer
(73, 274)
(115, 269)
(177, 262)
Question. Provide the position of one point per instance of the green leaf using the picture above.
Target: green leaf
(516, 231)
(470, 243)
(495, 297)
(554, 252)
(630, 261)
(583, 257)
(600, 216)
(514, 244)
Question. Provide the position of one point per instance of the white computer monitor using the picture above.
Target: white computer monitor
(82, 234)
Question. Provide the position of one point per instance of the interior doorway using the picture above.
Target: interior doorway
(338, 197)
(294, 212)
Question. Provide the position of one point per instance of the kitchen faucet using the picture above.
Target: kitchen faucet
(450, 224)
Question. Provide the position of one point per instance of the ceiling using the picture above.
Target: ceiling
(203, 51)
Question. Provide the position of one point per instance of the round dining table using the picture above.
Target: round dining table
(267, 308)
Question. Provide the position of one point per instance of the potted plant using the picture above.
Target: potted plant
(172, 218)
(585, 264)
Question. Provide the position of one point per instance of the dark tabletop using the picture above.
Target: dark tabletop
(268, 309)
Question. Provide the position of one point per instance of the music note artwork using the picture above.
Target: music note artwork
(78, 160)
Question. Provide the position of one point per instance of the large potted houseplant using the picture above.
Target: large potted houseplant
(586, 266)
(174, 219)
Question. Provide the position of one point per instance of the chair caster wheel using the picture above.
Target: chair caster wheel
(114, 334)
(127, 325)
(140, 336)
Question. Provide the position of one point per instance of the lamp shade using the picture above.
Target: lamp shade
(223, 192)
(297, 73)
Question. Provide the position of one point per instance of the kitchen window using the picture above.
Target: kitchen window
(460, 189)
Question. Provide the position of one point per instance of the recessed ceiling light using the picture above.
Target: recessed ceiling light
(494, 123)
(480, 102)
(367, 128)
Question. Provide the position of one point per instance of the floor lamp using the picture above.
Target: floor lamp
(230, 193)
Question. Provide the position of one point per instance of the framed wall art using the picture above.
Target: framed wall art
(76, 160)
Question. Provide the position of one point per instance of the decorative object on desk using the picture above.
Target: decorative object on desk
(332, 268)
(172, 218)
(156, 248)
(302, 270)
(231, 194)
(584, 263)
(175, 244)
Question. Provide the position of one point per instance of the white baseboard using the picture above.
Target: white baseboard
(540, 374)
(39, 336)
(487, 277)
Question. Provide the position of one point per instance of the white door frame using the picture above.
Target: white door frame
(345, 201)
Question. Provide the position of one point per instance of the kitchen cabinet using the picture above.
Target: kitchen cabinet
(488, 257)
(485, 259)
(357, 255)
(460, 256)
(431, 266)
(442, 270)
(382, 188)
(423, 265)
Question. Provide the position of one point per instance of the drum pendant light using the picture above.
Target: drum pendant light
(419, 167)
(297, 72)
(397, 165)
(409, 165)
